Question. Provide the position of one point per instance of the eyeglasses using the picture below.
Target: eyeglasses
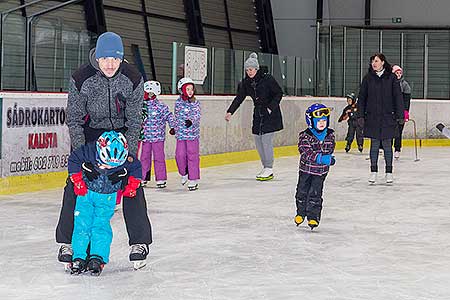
(321, 112)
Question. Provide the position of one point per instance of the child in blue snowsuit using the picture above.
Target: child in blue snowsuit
(98, 170)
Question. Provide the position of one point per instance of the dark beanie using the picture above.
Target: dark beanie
(109, 44)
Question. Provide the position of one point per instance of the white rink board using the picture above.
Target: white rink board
(35, 138)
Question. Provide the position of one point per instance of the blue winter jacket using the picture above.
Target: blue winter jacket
(102, 185)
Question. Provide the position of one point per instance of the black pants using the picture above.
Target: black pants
(352, 129)
(308, 197)
(375, 146)
(398, 140)
(134, 209)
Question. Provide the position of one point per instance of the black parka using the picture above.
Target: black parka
(266, 95)
(380, 103)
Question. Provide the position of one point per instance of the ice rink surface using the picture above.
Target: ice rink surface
(235, 238)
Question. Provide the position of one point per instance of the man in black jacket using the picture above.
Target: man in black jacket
(267, 119)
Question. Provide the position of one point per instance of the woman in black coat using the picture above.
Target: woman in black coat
(267, 119)
(380, 112)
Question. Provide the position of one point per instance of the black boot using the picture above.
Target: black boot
(78, 266)
(95, 265)
(347, 147)
(360, 148)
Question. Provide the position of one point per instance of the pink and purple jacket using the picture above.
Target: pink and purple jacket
(154, 126)
(186, 110)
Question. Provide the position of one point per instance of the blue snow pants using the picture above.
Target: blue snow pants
(92, 216)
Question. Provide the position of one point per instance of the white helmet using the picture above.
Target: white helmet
(183, 81)
(152, 87)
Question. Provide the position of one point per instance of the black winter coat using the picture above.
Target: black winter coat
(380, 103)
(266, 95)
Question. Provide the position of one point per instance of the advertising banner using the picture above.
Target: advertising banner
(35, 138)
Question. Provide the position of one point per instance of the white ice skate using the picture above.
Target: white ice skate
(193, 185)
(373, 177)
(267, 174)
(397, 155)
(161, 184)
(138, 255)
(389, 178)
(184, 179)
(259, 174)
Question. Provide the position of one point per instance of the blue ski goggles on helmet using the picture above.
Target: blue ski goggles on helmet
(321, 112)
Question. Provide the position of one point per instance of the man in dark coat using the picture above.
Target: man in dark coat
(380, 112)
(267, 119)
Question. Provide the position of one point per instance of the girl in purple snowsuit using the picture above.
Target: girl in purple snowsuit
(154, 133)
(187, 128)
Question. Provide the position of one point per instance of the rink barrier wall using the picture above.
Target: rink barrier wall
(56, 180)
(221, 142)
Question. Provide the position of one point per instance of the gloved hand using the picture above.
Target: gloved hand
(89, 171)
(131, 187)
(360, 122)
(406, 115)
(79, 186)
(118, 176)
(326, 159)
(172, 131)
(440, 127)
(188, 123)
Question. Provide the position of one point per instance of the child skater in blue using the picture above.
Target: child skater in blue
(316, 147)
(98, 170)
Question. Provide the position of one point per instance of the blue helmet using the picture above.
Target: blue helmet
(316, 112)
(112, 148)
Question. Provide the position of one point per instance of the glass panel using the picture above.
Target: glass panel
(13, 55)
(337, 67)
(352, 61)
(438, 65)
(226, 75)
(414, 62)
(392, 46)
(284, 73)
(308, 82)
(324, 41)
(60, 45)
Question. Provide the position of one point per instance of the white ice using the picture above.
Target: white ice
(235, 238)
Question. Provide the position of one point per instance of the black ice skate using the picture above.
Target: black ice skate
(95, 265)
(65, 253)
(138, 255)
(347, 147)
(313, 223)
(78, 266)
(65, 256)
(360, 148)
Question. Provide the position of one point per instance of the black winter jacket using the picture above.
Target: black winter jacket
(380, 103)
(266, 95)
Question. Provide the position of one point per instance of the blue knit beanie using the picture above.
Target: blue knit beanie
(109, 44)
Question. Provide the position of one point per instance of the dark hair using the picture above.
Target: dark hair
(379, 55)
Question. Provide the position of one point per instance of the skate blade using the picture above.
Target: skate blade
(67, 267)
(139, 264)
(265, 178)
(193, 188)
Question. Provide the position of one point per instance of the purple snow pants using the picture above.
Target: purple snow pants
(159, 158)
(187, 156)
